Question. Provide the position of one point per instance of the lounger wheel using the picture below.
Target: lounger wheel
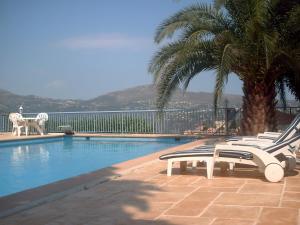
(274, 172)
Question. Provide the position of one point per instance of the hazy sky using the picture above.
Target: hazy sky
(83, 48)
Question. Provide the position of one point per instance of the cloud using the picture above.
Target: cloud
(107, 41)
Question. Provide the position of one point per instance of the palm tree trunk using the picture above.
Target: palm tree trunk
(259, 103)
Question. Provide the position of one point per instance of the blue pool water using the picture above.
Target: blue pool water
(28, 164)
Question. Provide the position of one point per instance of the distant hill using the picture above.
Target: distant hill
(143, 97)
(140, 97)
(10, 102)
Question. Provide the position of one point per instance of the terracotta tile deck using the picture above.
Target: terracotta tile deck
(144, 195)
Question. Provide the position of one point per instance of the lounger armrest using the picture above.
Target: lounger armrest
(246, 143)
(245, 148)
(264, 156)
(272, 133)
(249, 139)
(257, 143)
(267, 136)
(258, 139)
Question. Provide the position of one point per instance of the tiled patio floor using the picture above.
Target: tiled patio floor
(145, 195)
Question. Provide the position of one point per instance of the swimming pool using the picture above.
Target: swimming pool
(32, 163)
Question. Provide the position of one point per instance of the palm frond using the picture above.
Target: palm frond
(262, 11)
(186, 63)
(164, 56)
(271, 47)
(202, 59)
(227, 62)
(239, 11)
(205, 29)
(219, 3)
(186, 17)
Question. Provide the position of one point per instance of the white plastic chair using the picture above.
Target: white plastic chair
(41, 119)
(18, 123)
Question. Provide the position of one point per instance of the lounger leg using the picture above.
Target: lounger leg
(183, 165)
(290, 163)
(170, 165)
(209, 168)
(39, 129)
(194, 164)
(223, 166)
(42, 130)
(231, 166)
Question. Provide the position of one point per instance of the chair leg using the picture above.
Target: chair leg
(40, 130)
(194, 164)
(170, 165)
(210, 168)
(231, 166)
(26, 130)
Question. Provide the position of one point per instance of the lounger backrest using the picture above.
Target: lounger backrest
(289, 131)
(291, 142)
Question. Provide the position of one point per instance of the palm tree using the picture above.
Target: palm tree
(287, 21)
(240, 38)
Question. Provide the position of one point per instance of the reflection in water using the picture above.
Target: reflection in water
(25, 152)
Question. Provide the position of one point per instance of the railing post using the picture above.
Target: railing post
(226, 121)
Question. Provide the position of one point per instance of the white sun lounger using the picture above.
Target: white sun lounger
(271, 160)
(291, 130)
(269, 136)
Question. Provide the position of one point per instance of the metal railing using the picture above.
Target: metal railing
(201, 121)
(289, 110)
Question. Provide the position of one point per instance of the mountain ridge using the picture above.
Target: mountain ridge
(139, 97)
